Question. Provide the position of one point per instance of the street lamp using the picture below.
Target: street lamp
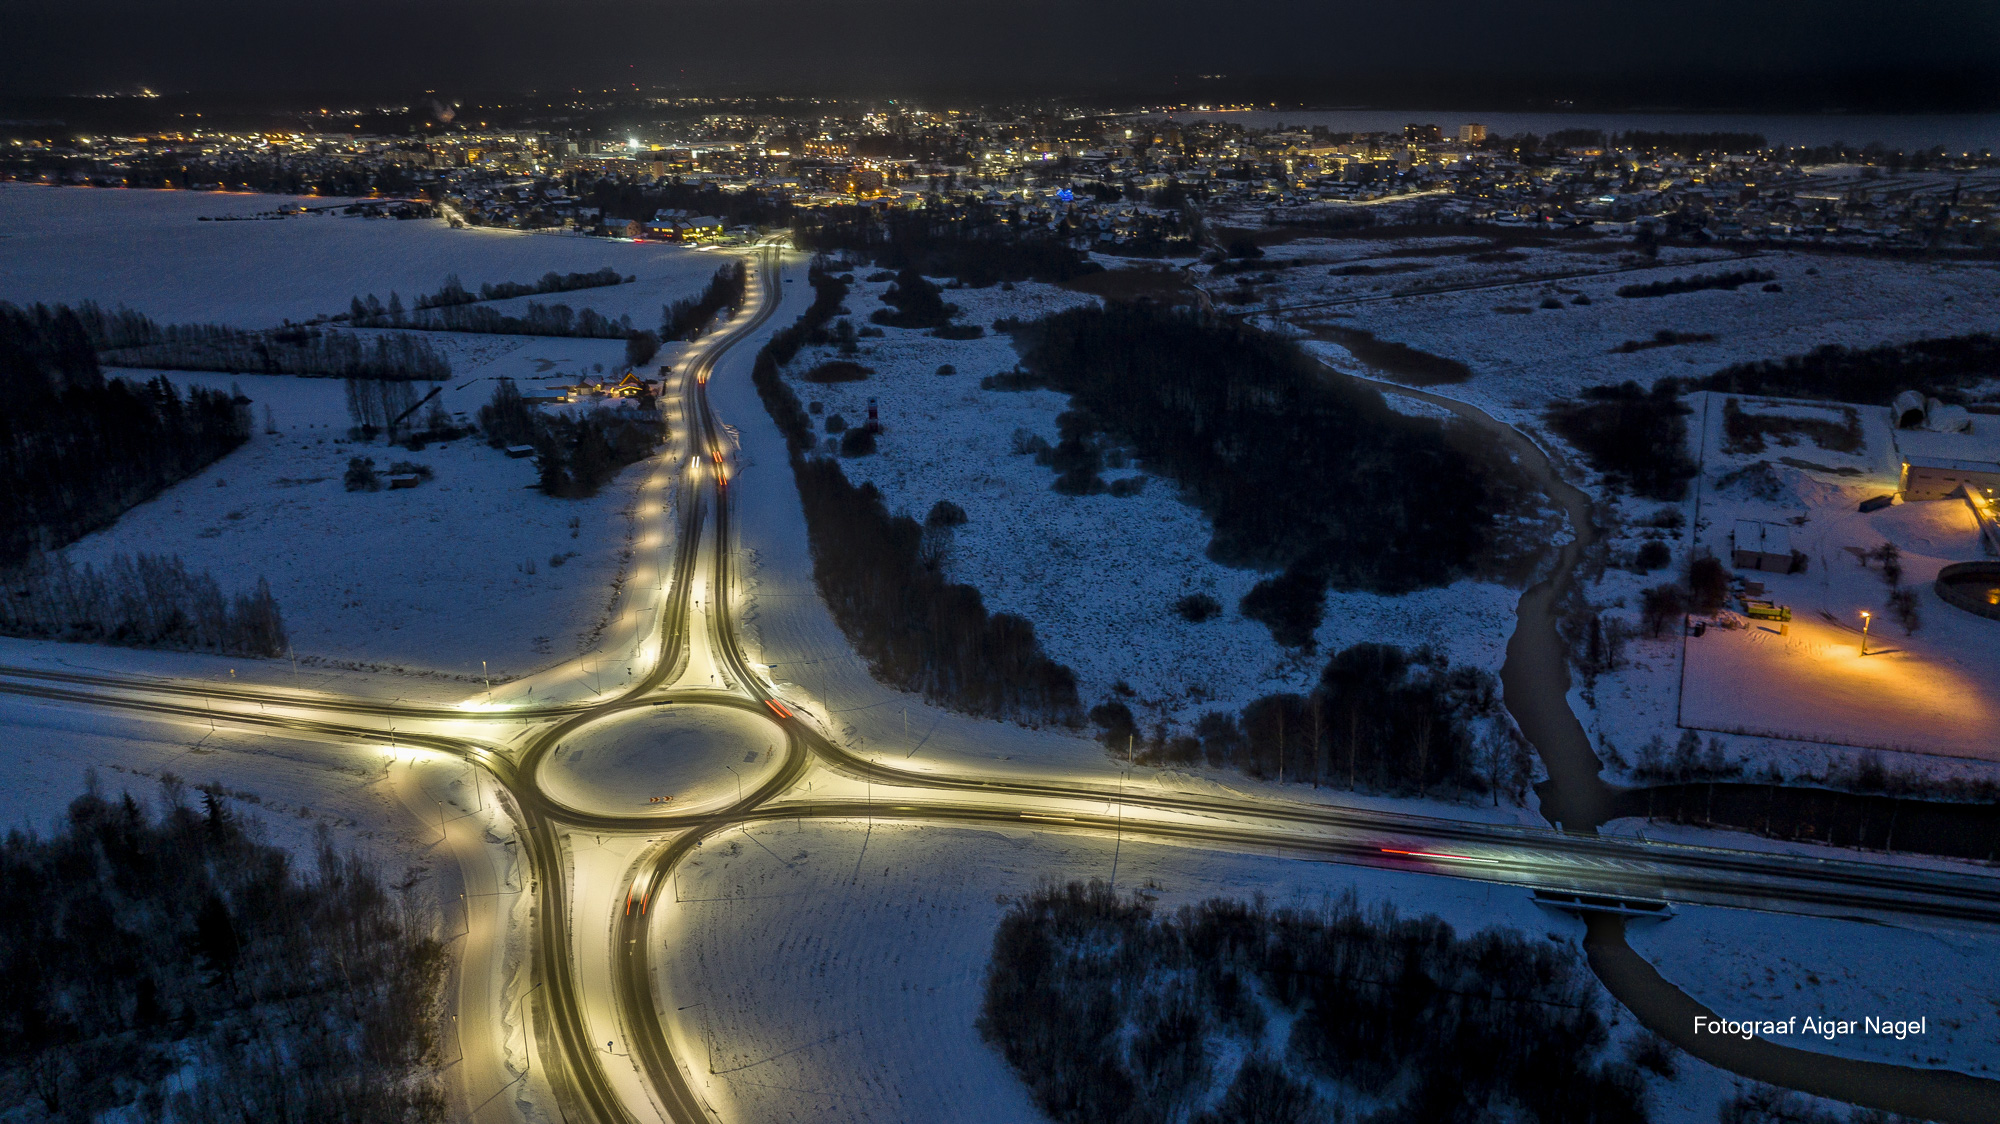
(1865, 618)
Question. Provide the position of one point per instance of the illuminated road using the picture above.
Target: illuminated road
(603, 1043)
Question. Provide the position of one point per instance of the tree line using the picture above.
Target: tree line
(1114, 1014)
(1938, 367)
(77, 449)
(881, 575)
(623, 199)
(140, 601)
(536, 320)
(1296, 471)
(1639, 437)
(1728, 279)
(1380, 719)
(167, 964)
(945, 240)
(453, 290)
(188, 171)
(131, 339)
(1636, 437)
(684, 319)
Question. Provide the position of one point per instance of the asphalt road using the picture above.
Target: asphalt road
(510, 744)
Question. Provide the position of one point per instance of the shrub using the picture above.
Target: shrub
(836, 423)
(1652, 555)
(916, 630)
(947, 369)
(916, 303)
(1016, 379)
(945, 513)
(361, 475)
(1904, 606)
(1728, 280)
(1290, 604)
(1663, 338)
(575, 456)
(857, 442)
(1117, 729)
(1661, 606)
(640, 347)
(1708, 584)
(837, 370)
(1198, 607)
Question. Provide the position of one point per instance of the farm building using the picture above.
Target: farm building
(1761, 546)
(1936, 478)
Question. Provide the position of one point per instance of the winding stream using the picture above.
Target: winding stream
(1535, 687)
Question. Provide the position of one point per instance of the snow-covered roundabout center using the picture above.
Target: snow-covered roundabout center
(661, 760)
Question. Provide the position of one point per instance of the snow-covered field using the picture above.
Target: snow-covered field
(150, 251)
(834, 971)
(436, 577)
(1522, 360)
(471, 565)
(1098, 575)
(1744, 965)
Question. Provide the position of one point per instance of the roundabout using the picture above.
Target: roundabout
(661, 761)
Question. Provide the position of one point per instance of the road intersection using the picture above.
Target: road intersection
(690, 655)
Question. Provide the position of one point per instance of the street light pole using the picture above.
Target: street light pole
(1865, 621)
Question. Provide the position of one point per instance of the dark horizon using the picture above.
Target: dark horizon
(1759, 55)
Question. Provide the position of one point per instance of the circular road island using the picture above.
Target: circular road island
(662, 760)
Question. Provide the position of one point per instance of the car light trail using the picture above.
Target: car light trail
(1440, 855)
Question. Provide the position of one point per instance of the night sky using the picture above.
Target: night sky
(1746, 52)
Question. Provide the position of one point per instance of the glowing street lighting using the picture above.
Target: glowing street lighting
(1865, 618)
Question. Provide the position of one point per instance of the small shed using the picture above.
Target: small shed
(1907, 410)
(520, 452)
(1761, 546)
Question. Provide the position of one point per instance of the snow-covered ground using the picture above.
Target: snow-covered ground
(1745, 965)
(667, 760)
(1522, 360)
(1098, 575)
(436, 578)
(150, 251)
(834, 971)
